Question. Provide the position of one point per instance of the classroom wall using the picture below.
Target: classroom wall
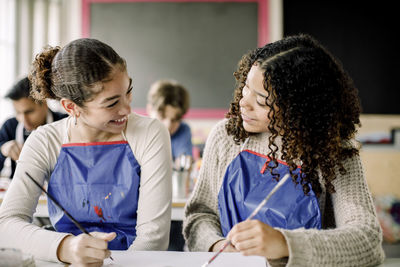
(381, 161)
(362, 37)
(196, 43)
(25, 28)
(58, 22)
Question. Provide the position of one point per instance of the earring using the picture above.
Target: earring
(75, 120)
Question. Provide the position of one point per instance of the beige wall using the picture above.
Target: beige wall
(382, 170)
(381, 162)
(378, 123)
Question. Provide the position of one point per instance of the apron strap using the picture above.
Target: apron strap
(264, 167)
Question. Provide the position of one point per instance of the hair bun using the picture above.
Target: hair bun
(40, 75)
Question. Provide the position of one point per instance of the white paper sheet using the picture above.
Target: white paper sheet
(181, 259)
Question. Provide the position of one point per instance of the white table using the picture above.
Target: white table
(173, 258)
(184, 259)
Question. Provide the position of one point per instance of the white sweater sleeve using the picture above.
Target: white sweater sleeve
(38, 157)
(151, 145)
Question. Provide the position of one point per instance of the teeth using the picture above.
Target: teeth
(121, 120)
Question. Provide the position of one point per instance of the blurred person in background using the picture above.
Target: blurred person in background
(168, 101)
(30, 114)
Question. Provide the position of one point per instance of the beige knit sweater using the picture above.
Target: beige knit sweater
(351, 235)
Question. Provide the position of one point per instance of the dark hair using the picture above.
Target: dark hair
(168, 92)
(314, 107)
(74, 72)
(19, 90)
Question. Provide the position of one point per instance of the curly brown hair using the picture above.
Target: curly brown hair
(314, 107)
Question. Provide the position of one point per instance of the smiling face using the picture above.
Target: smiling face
(108, 111)
(253, 108)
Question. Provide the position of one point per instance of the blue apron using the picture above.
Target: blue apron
(98, 184)
(247, 182)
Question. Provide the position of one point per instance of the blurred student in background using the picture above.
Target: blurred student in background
(30, 114)
(168, 101)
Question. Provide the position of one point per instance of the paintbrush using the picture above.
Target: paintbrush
(77, 224)
(255, 211)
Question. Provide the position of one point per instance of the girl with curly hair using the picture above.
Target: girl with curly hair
(295, 111)
(108, 167)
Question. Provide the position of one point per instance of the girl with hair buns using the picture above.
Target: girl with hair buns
(295, 111)
(108, 167)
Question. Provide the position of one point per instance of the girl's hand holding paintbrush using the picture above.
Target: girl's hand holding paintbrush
(255, 238)
(252, 237)
(218, 245)
(85, 250)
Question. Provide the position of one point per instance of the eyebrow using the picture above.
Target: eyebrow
(258, 93)
(25, 111)
(115, 96)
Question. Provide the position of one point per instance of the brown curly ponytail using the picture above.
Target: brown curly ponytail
(40, 75)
